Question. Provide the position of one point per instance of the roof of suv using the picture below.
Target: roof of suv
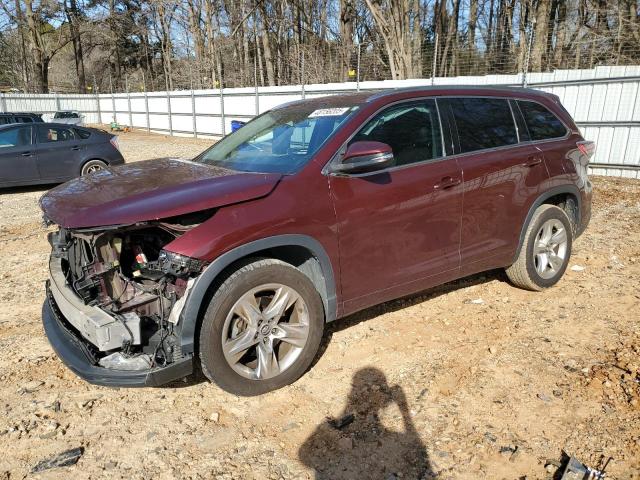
(359, 98)
(459, 90)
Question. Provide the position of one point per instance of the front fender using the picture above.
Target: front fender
(194, 304)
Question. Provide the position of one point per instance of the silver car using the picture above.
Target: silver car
(69, 117)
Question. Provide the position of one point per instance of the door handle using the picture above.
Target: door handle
(27, 154)
(532, 161)
(75, 148)
(447, 182)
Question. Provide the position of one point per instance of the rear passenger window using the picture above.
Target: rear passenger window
(541, 123)
(54, 134)
(483, 123)
(412, 130)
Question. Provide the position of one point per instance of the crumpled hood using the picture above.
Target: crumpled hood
(150, 190)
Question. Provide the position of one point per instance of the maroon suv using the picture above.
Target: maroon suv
(314, 210)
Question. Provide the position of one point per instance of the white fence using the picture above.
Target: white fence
(603, 101)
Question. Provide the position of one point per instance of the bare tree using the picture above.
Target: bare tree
(73, 16)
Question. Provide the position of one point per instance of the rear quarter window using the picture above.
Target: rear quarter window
(483, 123)
(83, 134)
(541, 123)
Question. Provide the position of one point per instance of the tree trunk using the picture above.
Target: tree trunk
(266, 46)
(347, 18)
(561, 34)
(540, 35)
(211, 50)
(450, 41)
(394, 25)
(523, 37)
(197, 33)
(73, 17)
(40, 59)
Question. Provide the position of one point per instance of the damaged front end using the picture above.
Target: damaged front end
(119, 293)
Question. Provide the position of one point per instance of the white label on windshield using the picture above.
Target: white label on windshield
(329, 112)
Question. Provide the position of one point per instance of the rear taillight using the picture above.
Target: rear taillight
(114, 142)
(587, 148)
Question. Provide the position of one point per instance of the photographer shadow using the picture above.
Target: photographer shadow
(356, 445)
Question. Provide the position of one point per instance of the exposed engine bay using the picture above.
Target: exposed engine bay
(132, 289)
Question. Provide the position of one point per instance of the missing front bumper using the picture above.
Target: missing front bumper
(73, 353)
(101, 329)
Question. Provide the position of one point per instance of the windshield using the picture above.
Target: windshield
(279, 141)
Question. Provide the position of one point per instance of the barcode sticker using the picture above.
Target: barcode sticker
(328, 112)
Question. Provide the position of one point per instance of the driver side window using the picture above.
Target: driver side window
(15, 137)
(412, 130)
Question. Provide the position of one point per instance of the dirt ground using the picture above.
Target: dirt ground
(475, 379)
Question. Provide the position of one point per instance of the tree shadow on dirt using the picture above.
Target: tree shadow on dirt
(356, 445)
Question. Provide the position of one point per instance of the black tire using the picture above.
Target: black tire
(260, 272)
(92, 165)
(523, 272)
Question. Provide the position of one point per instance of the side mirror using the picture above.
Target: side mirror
(364, 157)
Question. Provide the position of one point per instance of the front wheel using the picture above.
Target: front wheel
(262, 328)
(545, 252)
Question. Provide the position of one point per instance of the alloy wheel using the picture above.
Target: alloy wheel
(550, 248)
(265, 331)
(94, 168)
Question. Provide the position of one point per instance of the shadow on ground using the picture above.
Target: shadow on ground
(356, 445)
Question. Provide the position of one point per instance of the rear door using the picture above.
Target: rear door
(17, 156)
(501, 178)
(549, 134)
(399, 229)
(58, 150)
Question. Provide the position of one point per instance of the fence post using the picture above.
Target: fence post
(169, 112)
(146, 108)
(129, 102)
(3, 102)
(98, 106)
(95, 92)
(57, 101)
(435, 61)
(193, 113)
(146, 101)
(302, 76)
(221, 85)
(527, 57)
(358, 70)
(114, 117)
(255, 82)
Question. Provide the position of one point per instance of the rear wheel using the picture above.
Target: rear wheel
(545, 252)
(262, 328)
(93, 166)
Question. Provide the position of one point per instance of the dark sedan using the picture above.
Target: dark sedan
(51, 152)
(6, 118)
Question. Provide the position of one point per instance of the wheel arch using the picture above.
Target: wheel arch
(302, 251)
(553, 196)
